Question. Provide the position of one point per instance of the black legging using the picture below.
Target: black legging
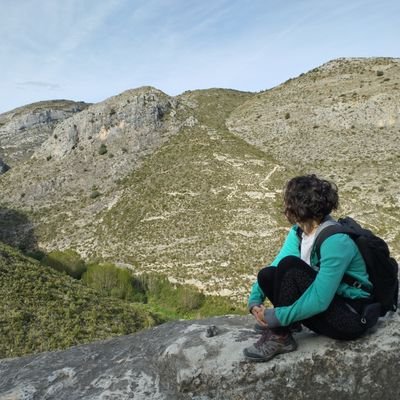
(284, 284)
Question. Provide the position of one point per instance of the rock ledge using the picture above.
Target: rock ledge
(179, 360)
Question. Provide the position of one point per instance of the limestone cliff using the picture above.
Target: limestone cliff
(24, 129)
(132, 119)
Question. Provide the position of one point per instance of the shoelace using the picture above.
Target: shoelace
(269, 336)
(263, 338)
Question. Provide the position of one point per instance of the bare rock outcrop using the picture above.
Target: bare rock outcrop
(179, 360)
(132, 119)
(95, 148)
(24, 129)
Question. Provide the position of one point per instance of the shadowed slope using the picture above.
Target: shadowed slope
(42, 309)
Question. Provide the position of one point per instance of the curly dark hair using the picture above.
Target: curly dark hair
(309, 198)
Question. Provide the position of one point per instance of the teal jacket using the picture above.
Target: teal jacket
(339, 254)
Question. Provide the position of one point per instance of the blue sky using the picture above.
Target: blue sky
(91, 49)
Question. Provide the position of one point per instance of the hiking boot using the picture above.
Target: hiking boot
(269, 345)
(260, 328)
(296, 327)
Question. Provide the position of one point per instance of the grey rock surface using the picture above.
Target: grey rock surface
(178, 361)
(24, 129)
(133, 119)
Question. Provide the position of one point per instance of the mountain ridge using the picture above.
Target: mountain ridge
(190, 186)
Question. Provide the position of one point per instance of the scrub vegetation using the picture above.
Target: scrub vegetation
(43, 308)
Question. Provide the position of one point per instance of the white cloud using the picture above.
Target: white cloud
(38, 84)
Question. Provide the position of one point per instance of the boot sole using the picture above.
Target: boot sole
(283, 350)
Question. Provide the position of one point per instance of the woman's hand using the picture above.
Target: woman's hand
(258, 312)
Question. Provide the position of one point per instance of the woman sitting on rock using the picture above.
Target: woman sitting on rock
(301, 292)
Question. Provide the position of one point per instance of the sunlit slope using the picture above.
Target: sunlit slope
(205, 209)
(342, 121)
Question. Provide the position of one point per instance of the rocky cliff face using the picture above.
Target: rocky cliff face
(96, 147)
(178, 361)
(132, 119)
(24, 129)
(87, 155)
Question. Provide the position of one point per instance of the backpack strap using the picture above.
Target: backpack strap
(322, 236)
(299, 234)
(327, 221)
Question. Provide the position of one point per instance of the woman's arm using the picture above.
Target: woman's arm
(256, 296)
(290, 247)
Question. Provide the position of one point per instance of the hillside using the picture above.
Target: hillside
(190, 186)
(340, 120)
(42, 309)
(344, 112)
(195, 206)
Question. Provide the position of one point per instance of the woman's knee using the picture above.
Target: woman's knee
(291, 262)
(265, 279)
(266, 274)
(294, 265)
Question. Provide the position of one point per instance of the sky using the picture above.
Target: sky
(89, 50)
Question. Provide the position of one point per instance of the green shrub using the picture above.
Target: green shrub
(94, 194)
(68, 261)
(220, 305)
(287, 115)
(185, 301)
(189, 299)
(181, 299)
(112, 281)
(102, 149)
(379, 73)
(36, 254)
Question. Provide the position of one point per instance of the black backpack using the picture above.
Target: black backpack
(382, 269)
